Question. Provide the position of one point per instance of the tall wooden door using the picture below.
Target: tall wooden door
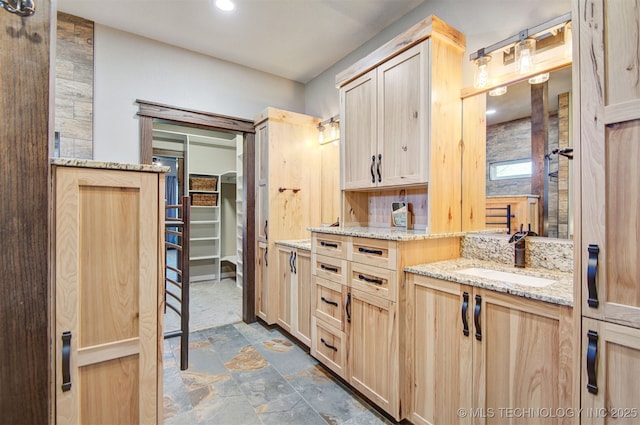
(303, 297)
(106, 296)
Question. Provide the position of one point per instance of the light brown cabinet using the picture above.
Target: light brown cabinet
(287, 153)
(609, 147)
(108, 295)
(487, 353)
(294, 292)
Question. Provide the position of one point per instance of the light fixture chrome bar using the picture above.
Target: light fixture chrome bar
(521, 35)
(335, 118)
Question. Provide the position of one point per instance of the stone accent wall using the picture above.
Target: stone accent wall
(563, 167)
(74, 87)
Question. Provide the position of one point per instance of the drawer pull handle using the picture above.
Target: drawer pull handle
(66, 361)
(348, 307)
(370, 251)
(328, 244)
(295, 260)
(329, 302)
(379, 164)
(329, 268)
(592, 354)
(476, 317)
(373, 163)
(465, 307)
(592, 271)
(328, 345)
(370, 280)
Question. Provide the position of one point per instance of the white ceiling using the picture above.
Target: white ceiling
(294, 39)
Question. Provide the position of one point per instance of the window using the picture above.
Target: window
(517, 169)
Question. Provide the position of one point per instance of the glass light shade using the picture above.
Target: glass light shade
(498, 91)
(320, 134)
(540, 78)
(481, 75)
(525, 51)
(226, 5)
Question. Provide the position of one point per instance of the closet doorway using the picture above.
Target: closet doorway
(211, 153)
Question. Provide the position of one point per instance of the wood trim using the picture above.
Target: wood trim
(108, 351)
(620, 112)
(146, 140)
(430, 26)
(249, 236)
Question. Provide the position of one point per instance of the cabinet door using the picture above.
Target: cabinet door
(521, 357)
(373, 349)
(262, 296)
(262, 181)
(302, 268)
(106, 296)
(610, 151)
(610, 361)
(402, 118)
(284, 283)
(359, 140)
(442, 350)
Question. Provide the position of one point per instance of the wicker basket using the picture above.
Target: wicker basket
(203, 183)
(204, 199)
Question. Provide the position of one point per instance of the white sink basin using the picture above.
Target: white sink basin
(514, 278)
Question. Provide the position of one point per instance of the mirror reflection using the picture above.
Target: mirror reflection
(531, 176)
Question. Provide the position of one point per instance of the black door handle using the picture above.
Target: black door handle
(348, 307)
(328, 244)
(370, 251)
(465, 306)
(66, 361)
(592, 355)
(295, 258)
(266, 222)
(329, 302)
(373, 163)
(379, 164)
(592, 272)
(291, 262)
(476, 317)
(266, 253)
(328, 268)
(327, 345)
(370, 280)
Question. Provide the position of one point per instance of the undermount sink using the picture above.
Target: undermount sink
(515, 278)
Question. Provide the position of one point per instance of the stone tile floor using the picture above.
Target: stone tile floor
(244, 374)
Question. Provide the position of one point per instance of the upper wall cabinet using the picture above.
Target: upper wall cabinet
(400, 110)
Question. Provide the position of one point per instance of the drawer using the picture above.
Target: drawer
(330, 268)
(331, 245)
(329, 346)
(374, 280)
(328, 302)
(375, 252)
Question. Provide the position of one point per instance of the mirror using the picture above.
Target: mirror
(509, 171)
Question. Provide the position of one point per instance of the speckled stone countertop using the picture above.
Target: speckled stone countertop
(304, 244)
(384, 233)
(557, 293)
(89, 163)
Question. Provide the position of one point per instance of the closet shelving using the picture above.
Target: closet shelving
(205, 226)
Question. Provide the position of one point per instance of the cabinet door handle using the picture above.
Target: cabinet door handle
(370, 280)
(66, 361)
(327, 345)
(592, 355)
(373, 164)
(328, 244)
(465, 307)
(329, 302)
(592, 272)
(476, 317)
(291, 261)
(348, 307)
(295, 258)
(370, 251)
(378, 168)
(266, 254)
(329, 268)
(266, 224)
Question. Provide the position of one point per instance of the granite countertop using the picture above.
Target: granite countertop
(89, 163)
(560, 292)
(304, 244)
(384, 233)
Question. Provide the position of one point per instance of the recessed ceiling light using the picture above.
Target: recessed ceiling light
(491, 111)
(226, 5)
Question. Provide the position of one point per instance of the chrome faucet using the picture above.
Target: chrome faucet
(520, 245)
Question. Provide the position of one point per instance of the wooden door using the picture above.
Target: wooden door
(610, 361)
(442, 351)
(262, 264)
(106, 292)
(610, 145)
(262, 181)
(402, 117)
(284, 285)
(373, 349)
(521, 358)
(302, 268)
(359, 139)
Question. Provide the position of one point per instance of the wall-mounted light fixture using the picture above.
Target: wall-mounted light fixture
(329, 130)
(19, 7)
(521, 48)
(481, 74)
(498, 91)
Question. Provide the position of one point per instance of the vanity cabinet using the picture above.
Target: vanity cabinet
(108, 289)
(485, 352)
(294, 292)
(609, 147)
(287, 154)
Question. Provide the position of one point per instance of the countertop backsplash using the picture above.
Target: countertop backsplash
(546, 253)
